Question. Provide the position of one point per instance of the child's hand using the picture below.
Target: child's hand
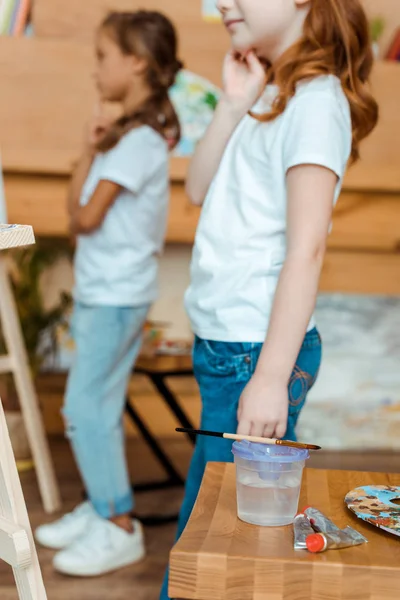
(97, 128)
(263, 408)
(244, 80)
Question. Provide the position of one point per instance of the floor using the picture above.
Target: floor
(356, 400)
(142, 582)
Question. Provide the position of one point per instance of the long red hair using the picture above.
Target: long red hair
(336, 41)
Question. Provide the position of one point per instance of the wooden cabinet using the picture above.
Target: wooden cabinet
(47, 95)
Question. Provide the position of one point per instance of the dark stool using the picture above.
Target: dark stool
(158, 369)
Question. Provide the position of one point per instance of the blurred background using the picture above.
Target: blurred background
(46, 57)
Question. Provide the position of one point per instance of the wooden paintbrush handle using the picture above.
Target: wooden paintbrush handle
(250, 438)
(269, 441)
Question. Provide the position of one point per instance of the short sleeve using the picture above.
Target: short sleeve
(318, 133)
(136, 157)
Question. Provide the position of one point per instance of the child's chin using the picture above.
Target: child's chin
(107, 97)
(241, 46)
(104, 95)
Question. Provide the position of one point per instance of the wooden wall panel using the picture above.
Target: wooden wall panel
(362, 223)
(366, 222)
(183, 217)
(202, 45)
(361, 273)
(364, 248)
(379, 168)
(78, 19)
(41, 202)
(46, 97)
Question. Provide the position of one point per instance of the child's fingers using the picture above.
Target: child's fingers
(98, 109)
(252, 58)
(104, 122)
(257, 429)
(280, 430)
(230, 58)
(269, 430)
(255, 65)
(234, 56)
(244, 427)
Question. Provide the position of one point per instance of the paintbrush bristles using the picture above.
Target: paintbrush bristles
(297, 445)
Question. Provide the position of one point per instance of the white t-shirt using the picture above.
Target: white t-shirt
(240, 244)
(117, 264)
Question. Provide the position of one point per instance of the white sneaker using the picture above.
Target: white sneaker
(65, 531)
(103, 548)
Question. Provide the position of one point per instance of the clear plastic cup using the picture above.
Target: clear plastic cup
(268, 482)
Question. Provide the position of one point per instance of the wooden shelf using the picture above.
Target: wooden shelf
(361, 223)
(202, 45)
(47, 96)
(361, 273)
(36, 135)
(379, 167)
(178, 168)
(47, 87)
(40, 200)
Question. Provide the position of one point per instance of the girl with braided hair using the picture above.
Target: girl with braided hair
(118, 205)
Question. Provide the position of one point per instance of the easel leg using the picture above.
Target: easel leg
(12, 508)
(27, 395)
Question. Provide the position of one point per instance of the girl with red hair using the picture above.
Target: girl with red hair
(268, 173)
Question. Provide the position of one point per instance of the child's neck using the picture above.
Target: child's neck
(136, 95)
(272, 53)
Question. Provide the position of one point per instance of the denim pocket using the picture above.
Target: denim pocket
(223, 358)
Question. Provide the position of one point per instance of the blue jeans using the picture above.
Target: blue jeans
(107, 341)
(222, 371)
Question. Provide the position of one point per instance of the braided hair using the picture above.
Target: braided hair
(151, 36)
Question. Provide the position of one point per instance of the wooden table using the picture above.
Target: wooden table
(221, 558)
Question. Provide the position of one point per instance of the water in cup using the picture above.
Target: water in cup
(270, 503)
(268, 481)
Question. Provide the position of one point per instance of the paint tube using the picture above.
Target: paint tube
(319, 542)
(319, 521)
(302, 529)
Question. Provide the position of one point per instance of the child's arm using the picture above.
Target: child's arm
(209, 151)
(244, 80)
(79, 176)
(263, 408)
(84, 221)
(88, 218)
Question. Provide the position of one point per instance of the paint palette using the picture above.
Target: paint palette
(374, 504)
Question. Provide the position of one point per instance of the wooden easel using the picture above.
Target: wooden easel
(17, 547)
(16, 363)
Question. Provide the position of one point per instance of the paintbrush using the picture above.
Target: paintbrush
(249, 438)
